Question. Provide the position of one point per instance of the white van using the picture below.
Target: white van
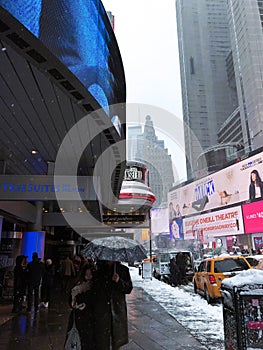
(161, 263)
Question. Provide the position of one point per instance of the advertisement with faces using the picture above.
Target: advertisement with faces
(228, 186)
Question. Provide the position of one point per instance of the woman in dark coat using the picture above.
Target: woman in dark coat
(19, 284)
(111, 282)
(256, 186)
(81, 304)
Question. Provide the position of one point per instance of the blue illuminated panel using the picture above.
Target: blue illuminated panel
(75, 32)
(33, 242)
(26, 11)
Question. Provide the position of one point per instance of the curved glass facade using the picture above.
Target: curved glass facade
(78, 33)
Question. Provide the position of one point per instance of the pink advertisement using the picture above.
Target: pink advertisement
(232, 185)
(253, 217)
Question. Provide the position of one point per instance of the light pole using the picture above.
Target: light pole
(150, 234)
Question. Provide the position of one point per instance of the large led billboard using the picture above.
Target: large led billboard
(253, 217)
(219, 223)
(78, 34)
(221, 189)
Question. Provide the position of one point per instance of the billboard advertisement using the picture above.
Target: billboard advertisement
(159, 220)
(205, 227)
(175, 222)
(226, 187)
(253, 217)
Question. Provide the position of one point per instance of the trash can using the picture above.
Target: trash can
(242, 299)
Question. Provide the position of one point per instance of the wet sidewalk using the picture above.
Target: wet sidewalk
(150, 327)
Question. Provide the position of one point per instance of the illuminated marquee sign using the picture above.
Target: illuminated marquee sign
(132, 174)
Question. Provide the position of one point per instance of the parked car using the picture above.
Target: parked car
(212, 271)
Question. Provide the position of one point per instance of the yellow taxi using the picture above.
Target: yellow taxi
(148, 259)
(212, 271)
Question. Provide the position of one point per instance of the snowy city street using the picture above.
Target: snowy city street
(131, 185)
(204, 321)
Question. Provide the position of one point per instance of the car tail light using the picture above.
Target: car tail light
(212, 279)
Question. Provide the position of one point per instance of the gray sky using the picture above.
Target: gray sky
(147, 37)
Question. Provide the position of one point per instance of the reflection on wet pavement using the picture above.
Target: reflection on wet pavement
(45, 329)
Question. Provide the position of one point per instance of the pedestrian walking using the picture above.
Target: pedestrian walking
(67, 273)
(81, 314)
(35, 272)
(111, 281)
(19, 284)
(47, 283)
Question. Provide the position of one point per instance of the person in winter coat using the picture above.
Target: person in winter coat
(47, 282)
(111, 281)
(35, 272)
(174, 273)
(19, 284)
(181, 263)
(67, 273)
(81, 303)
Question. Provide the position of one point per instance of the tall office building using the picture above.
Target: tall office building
(246, 25)
(207, 95)
(144, 146)
(221, 59)
(133, 134)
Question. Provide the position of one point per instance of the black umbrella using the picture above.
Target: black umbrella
(115, 248)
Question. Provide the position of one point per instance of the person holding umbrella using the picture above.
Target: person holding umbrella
(111, 281)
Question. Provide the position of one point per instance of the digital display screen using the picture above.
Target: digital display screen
(75, 32)
(253, 217)
(223, 188)
(224, 222)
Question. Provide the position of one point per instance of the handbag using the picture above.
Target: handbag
(73, 341)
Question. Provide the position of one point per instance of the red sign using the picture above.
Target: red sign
(253, 217)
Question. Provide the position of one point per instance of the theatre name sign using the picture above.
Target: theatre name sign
(44, 187)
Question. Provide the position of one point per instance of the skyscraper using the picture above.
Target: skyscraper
(144, 146)
(207, 97)
(221, 61)
(246, 25)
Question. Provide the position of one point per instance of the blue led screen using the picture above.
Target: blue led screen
(74, 31)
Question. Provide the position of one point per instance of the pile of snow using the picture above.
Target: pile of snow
(251, 277)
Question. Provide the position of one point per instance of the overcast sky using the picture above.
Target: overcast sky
(147, 37)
